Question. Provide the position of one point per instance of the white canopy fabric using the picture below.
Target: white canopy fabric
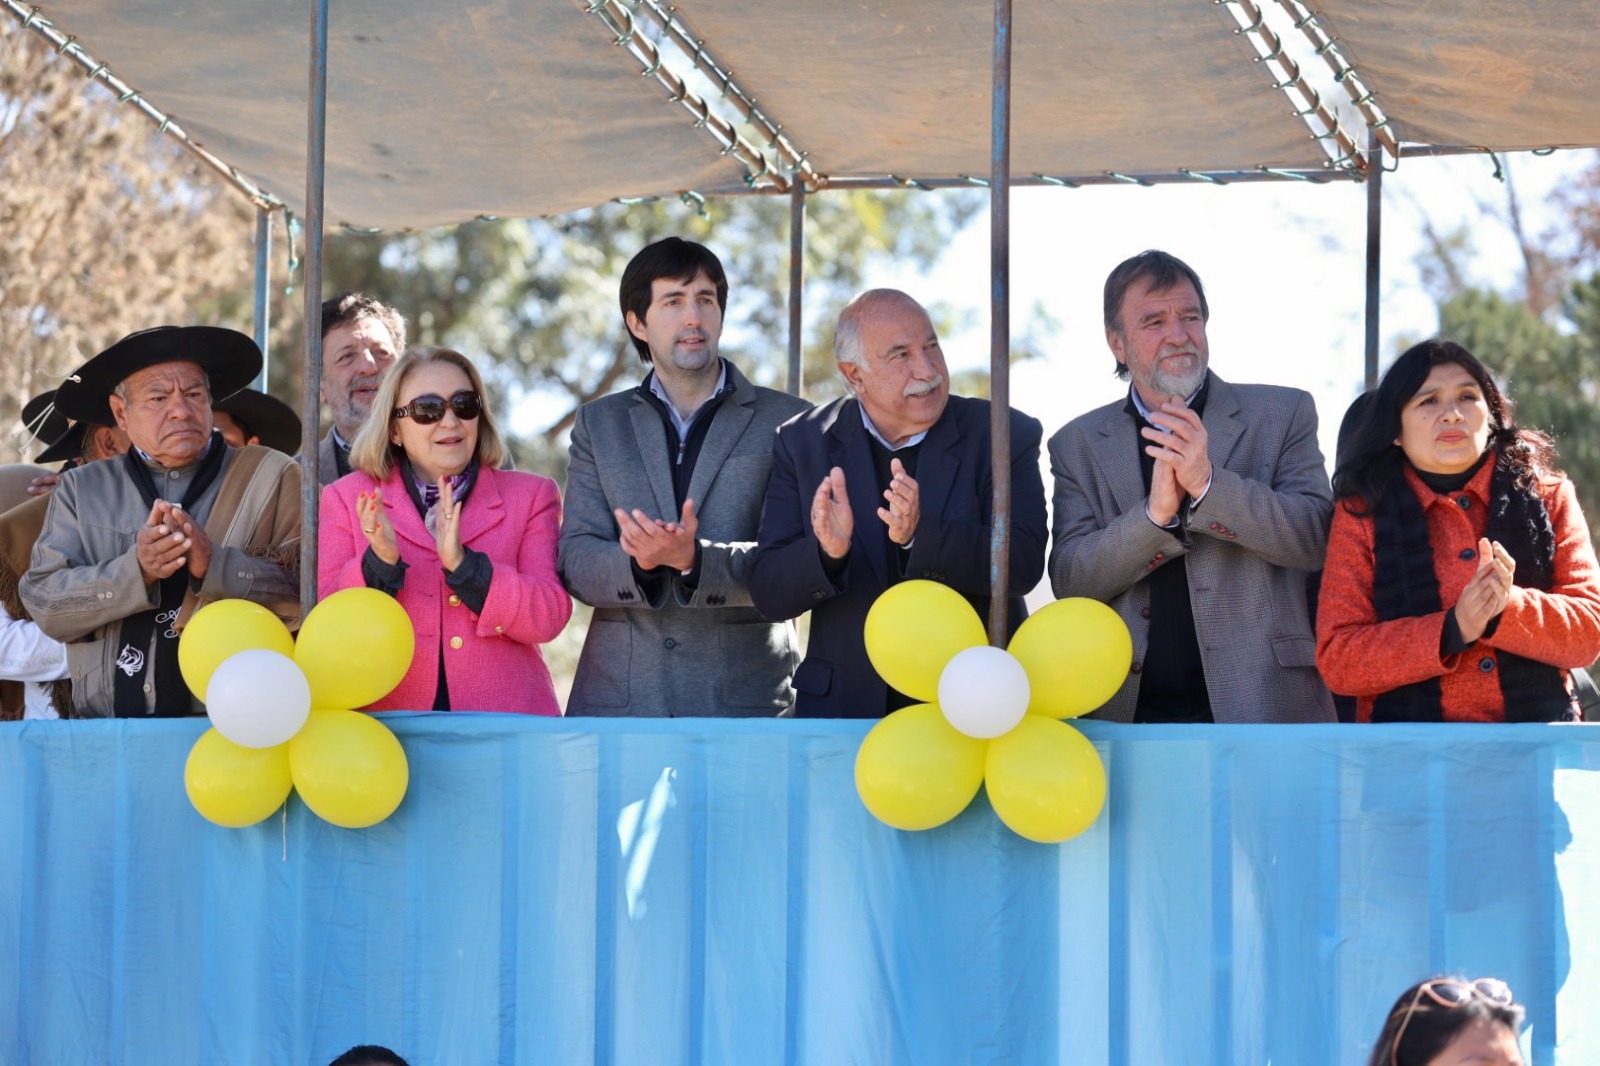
(903, 86)
(441, 113)
(1506, 76)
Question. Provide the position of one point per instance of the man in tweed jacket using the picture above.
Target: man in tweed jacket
(663, 500)
(361, 338)
(1194, 508)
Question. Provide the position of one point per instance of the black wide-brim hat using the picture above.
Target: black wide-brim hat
(67, 446)
(44, 421)
(266, 417)
(41, 419)
(230, 359)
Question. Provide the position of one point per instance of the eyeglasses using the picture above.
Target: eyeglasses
(1450, 994)
(428, 409)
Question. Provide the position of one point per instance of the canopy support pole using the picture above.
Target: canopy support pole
(310, 415)
(263, 290)
(1374, 250)
(797, 274)
(1000, 324)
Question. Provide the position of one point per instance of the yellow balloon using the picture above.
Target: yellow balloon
(222, 629)
(914, 629)
(1076, 652)
(1045, 780)
(235, 786)
(354, 647)
(349, 768)
(914, 771)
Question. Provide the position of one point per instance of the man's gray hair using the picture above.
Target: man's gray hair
(847, 334)
(120, 389)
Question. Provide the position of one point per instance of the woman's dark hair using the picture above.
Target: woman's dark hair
(1425, 1027)
(368, 1055)
(1374, 459)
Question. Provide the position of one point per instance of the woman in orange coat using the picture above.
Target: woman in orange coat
(1461, 584)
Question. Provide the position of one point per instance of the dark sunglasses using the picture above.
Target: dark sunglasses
(1449, 994)
(428, 409)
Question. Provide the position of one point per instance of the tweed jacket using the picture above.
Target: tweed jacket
(85, 579)
(955, 482)
(1262, 526)
(659, 648)
(492, 660)
(327, 461)
(1365, 657)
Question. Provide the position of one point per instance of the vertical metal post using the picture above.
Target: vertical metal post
(1374, 250)
(1000, 324)
(310, 414)
(263, 289)
(797, 275)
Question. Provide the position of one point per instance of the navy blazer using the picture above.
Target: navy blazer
(954, 476)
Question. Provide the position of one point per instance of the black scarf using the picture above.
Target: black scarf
(1406, 586)
(135, 667)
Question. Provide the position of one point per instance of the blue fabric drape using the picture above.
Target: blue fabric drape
(712, 891)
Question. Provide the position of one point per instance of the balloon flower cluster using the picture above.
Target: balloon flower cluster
(281, 714)
(992, 714)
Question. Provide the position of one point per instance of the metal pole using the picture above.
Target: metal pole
(1000, 324)
(310, 415)
(797, 272)
(263, 289)
(1374, 250)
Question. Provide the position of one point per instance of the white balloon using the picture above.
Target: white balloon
(983, 692)
(258, 698)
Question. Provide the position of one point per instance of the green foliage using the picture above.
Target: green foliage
(1551, 373)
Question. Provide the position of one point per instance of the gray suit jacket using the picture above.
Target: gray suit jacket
(327, 462)
(658, 648)
(1261, 527)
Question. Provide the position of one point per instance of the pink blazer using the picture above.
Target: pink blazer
(491, 661)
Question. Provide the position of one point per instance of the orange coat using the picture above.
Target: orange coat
(1363, 657)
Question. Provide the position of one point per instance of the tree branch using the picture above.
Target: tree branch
(620, 360)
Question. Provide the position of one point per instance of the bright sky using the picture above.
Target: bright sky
(1283, 265)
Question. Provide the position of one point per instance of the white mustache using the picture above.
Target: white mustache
(922, 388)
(1187, 349)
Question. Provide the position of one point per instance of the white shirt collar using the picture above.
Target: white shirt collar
(915, 438)
(680, 423)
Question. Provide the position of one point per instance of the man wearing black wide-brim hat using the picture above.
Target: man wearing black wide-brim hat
(132, 547)
(251, 417)
(68, 442)
(33, 665)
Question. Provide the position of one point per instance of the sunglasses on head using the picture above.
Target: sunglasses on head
(1450, 993)
(427, 409)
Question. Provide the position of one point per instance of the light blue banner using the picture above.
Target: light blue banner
(703, 891)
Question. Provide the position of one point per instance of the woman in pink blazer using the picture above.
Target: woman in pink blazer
(467, 548)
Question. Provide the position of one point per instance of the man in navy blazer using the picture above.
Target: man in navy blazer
(892, 483)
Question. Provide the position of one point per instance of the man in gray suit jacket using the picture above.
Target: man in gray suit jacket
(1194, 508)
(664, 491)
(361, 337)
